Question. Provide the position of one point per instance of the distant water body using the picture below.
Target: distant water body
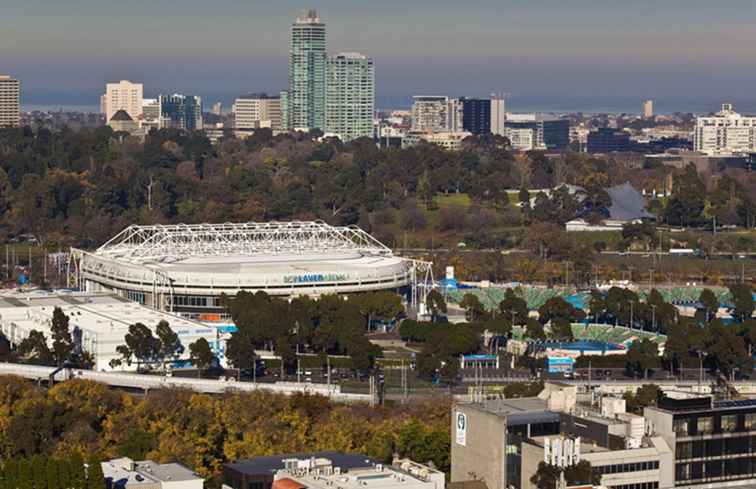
(557, 105)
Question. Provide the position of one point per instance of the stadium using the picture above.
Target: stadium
(186, 268)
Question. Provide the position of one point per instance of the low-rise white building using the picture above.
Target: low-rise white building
(447, 140)
(124, 473)
(103, 320)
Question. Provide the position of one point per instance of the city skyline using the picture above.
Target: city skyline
(599, 54)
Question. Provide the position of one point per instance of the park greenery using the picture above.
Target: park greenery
(84, 420)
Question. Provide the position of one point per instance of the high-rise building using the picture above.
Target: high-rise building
(476, 115)
(726, 133)
(528, 131)
(307, 72)
(180, 112)
(217, 108)
(648, 109)
(10, 101)
(498, 115)
(350, 96)
(436, 114)
(285, 120)
(257, 110)
(123, 95)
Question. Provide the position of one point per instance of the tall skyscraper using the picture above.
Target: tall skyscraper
(257, 110)
(350, 96)
(307, 72)
(498, 115)
(180, 112)
(648, 109)
(123, 95)
(10, 101)
(476, 115)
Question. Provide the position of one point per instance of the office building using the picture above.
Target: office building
(285, 120)
(608, 140)
(476, 115)
(258, 110)
(329, 470)
(307, 73)
(10, 101)
(437, 114)
(123, 95)
(528, 132)
(714, 442)
(180, 112)
(217, 108)
(451, 141)
(498, 115)
(648, 109)
(350, 96)
(503, 441)
(726, 133)
(125, 473)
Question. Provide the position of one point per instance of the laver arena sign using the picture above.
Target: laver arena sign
(314, 277)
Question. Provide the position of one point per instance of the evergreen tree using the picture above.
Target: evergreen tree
(95, 476)
(10, 473)
(78, 472)
(39, 472)
(64, 474)
(25, 480)
(62, 346)
(52, 473)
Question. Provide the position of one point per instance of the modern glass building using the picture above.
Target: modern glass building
(180, 112)
(476, 115)
(307, 72)
(350, 96)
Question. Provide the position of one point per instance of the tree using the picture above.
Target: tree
(33, 349)
(201, 355)
(642, 356)
(645, 396)
(561, 329)
(710, 303)
(474, 309)
(534, 330)
(742, 301)
(547, 476)
(52, 473)
(514, 308)
(62, 346)
(436, 304)
(95, 476)
(170, 345)
(140, 344)
(382, 305)
(557, 307)
(240, 351)
(727, 350)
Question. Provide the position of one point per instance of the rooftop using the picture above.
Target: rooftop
(124, 471)
(271, 464)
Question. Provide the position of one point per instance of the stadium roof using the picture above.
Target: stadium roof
(171, 243)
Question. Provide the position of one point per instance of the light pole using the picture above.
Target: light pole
(631, 314)
(653, 317)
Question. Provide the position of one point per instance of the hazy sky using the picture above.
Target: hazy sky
(540, 51)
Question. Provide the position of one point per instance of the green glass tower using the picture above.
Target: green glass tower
(307, 72)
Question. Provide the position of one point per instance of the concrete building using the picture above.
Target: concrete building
(123, 95)
(258, 110)
(498, 115)
(102, 320)
(436, 114)
(476, 115)
(726, 133)
(648, 109)
(714, 442)
(124, 473)
(608, 140)
(451, 141)
(529, 131)
(150, 118)
(501, 442)
(350, 96)
(218, 108)
(306, 103)
(180, 112)
(328, 470)
(10, 101)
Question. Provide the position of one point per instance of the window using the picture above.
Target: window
(704, 425)
(729, 422)
(750, 421)
(684, 449)
(681, 426)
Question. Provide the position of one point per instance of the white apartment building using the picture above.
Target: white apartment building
(498, 115)
(436, 114)
(123, 95)
(258, 110)
(350, 96)
(451, 141)
(10, 96)
(648, 109)
(724, 134)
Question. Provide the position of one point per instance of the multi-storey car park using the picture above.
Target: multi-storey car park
(186, 268)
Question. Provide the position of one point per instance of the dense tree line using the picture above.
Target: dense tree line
(41, 472)
(84, 420)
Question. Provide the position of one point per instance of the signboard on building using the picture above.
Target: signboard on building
(560, 364)
(314, 278)
(461, 425)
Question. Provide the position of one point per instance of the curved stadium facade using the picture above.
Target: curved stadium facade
(186, 268)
